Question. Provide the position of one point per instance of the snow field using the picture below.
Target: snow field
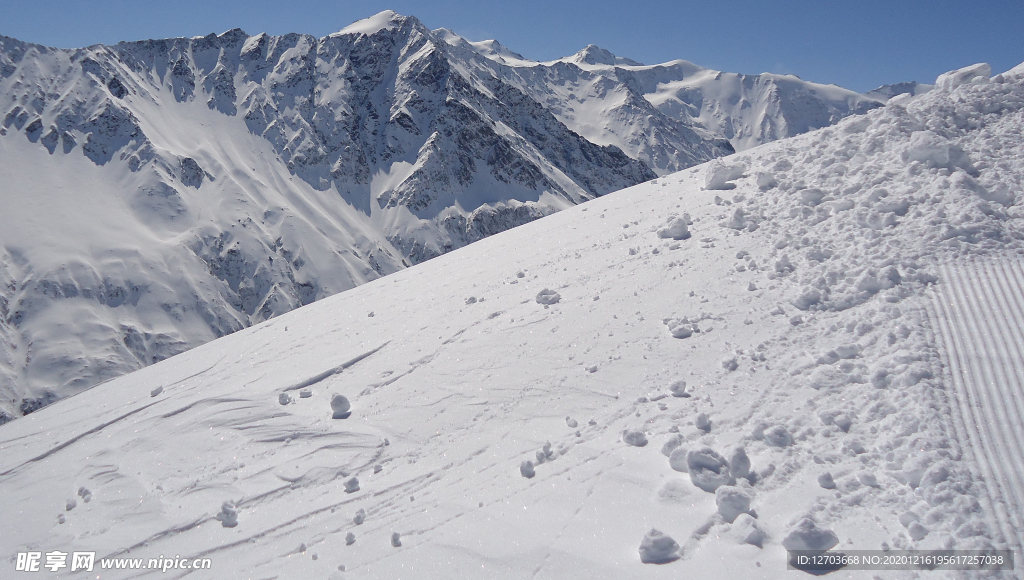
(834, 367)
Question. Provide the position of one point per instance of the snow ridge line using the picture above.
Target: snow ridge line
(979, 310)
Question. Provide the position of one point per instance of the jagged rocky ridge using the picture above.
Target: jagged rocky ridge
(162, 193)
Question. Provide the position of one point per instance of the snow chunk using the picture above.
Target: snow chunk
(719, 175)
(352, 485)
(708, 470)
(636, 438)
(950, 80)
(360, 517)
(658, 548)
(548, 296)
(739, 464)
(341, 407)
(825, 480)
(228, 515)
(396, 539)
(676, 230)
(680, 328)
(672, 444)
(808, 536)
(702, 422)
(731, 501)
(678, 388)
(526, 469)
(350, 539)
(778, 436)
(917, 531)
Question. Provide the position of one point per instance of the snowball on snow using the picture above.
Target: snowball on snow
(634, 437)
(548, 296)
(228, 515)
(676, 230)
(658, 548)
(732, 501)
(341, 407)
(808, 536)
(352, 485)
(719, 175)
(526, 469)
(708, 470)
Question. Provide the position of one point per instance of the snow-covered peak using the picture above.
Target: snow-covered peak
(491, 49)
(383, 20)
(596, 56)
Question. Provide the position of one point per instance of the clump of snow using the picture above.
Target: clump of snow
(708, 470)
(396, 539)
(953, 79)
(732, 501)
(702, 422)
(678, 388)
(825, 480)
(228, 515)
(739, 465)
(658, 548)
(672, 444)
(284, 398)
(352, 485)
(719, 174)
(360, 517)
(305, 394)
(350, 538)
(548, 296)
(526, 469)
(341, 407)
(806, 535)
(634, 437)
(85, 494)
(680, 328)
(70, 504)
(676, 230)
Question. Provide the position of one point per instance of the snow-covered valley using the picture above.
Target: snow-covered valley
(810, 343)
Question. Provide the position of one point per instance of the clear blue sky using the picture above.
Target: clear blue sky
(857, 44)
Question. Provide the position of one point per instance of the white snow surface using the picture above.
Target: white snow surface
(450, 396)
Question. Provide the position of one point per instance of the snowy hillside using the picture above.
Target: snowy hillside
(792, 347)
(162, 193)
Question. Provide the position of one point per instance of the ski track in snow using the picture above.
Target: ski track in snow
(980, 313)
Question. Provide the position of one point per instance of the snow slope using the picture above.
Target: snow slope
(517, 406)
(162, 193)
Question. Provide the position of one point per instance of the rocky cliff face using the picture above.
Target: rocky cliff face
(162, 193)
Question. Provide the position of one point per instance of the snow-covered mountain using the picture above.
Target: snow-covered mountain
(159, 194)
(812, 344)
